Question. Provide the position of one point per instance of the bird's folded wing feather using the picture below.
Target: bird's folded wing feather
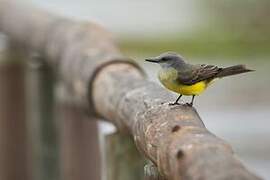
(198, 73)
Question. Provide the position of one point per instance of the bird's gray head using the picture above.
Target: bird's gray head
(168, 59)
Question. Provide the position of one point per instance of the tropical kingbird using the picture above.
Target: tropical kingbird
(187, 79)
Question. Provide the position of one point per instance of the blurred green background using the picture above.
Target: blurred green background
(220, 32)
(223, 28)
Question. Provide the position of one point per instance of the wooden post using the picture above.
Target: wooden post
(43, 135)
(13, 142)
(123, 161)
(80, 153)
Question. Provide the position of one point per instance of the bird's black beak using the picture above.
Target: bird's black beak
(153, 60)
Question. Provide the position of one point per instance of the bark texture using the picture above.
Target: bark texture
(174, 138)
(94, 77)
(151, 172)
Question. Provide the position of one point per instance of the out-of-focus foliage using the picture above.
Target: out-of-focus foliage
(229, 28)
(248, 18)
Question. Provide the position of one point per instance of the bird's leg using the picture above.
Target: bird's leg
(191, 104)
(176, 102)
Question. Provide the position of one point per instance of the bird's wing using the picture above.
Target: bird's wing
(198, 73)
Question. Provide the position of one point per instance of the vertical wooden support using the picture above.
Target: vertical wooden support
(123, 161)
(80, 154)
(13, 142)
(42, 126)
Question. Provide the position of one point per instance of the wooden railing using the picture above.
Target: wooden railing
(94, 80)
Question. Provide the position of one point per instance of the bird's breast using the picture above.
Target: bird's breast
(169, 74)
(168, 79)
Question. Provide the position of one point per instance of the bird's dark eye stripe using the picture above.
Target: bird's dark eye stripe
(164, 59)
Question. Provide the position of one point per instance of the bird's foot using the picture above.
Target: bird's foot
(173, 104)
(189, 104)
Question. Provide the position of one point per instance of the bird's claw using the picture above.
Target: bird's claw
(173, 104)
(189, 104)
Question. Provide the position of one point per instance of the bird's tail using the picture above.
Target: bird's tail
(233, 70)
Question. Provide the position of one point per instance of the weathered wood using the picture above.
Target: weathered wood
(79, 145)
(173, 137)
(13, 135)
(62, 41)
(151, 172)
(42, 128)
(122, 158)
(83, 54)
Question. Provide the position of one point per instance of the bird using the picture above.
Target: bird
(177, 75)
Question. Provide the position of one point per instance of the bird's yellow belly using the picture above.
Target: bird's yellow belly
(167, 78)
(187, 90)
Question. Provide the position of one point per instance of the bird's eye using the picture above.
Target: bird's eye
(164, 59)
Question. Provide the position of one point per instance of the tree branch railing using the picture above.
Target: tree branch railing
(96, 77)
